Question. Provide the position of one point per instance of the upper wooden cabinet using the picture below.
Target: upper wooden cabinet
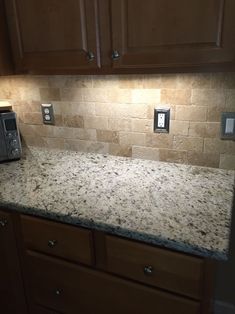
(6, 66)
(168, 33)
(54, 35)
(121, 36)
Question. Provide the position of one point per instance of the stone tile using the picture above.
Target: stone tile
(230, 99)
(140, 111)
(227, 161)
(50, 94)
(152, 81)
(59, 121)
(73, 121)
(100, 123)
(194, 80)
(176, 96)
(215, 145)
(120, 150)
(120, 96)
(54, 142)
(113, 110)
(191, 113)
(32, 118)
(107, 136)
(78, 81)
(223, 80)
(208, 97)
(71, 94)
(85, 134)
(128, 138)
(131, 81)
(179, 127)
(159, 140)
(171, 155)
(33, 141)
(214, 113)
(105, 81)
(87, 146)
(169, 81)
(119, 124)
(142, 125)
(77, 108)
(188, 143)
(203, 159)
(145, 153)
(145, 96)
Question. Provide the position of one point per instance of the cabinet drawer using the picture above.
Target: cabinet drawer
(57, 239)
(161, 268)
(69, 288)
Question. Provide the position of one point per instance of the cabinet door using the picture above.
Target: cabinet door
(166, 33)
(11, 287)
(6, 66)
(54, 36)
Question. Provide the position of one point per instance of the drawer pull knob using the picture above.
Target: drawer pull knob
(115, 55)
(52, 243)
(3, 223)
(58, 292)
(90, 56)
(148, 270)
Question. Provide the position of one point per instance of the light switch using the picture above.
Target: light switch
(161, 120)
(228, 125)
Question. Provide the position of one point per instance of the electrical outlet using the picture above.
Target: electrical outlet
(161, 120)
(47, 114)
(228, 126)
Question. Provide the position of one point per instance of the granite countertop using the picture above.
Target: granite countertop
(183, 207)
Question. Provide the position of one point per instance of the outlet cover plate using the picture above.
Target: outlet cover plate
(161, 120)
(228, 126)
(48, 114)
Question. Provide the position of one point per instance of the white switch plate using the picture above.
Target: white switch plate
(228, 126)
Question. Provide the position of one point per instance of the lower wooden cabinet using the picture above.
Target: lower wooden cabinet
(69, 288)
(12, 298)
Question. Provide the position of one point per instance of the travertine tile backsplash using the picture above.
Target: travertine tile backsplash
(114, 114)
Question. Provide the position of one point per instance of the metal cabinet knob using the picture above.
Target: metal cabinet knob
(148, 270)
(90, 56)
(3, 223)
(58, 292)
(52, 243)
(115, 55)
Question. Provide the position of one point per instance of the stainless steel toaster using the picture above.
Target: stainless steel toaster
(10, 144)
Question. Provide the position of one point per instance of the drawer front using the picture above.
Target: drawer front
(161, 268)
(58, 239)
(68, 288)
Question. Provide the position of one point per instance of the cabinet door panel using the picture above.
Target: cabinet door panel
(11, 287)
(167, 33)
(53, 34)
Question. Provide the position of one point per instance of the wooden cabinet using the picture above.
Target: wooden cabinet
(124, 36)
(6, 66)
(173, 34)
(51, 36)
(12, 298)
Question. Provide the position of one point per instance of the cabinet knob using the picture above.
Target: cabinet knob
(115, 55)
(58, 292)
(52, 243)
(3, 223)
(90, 56)
(148, 270)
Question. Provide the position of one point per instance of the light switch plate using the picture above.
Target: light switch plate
(228, 126)
(161, 120)
(47, 114)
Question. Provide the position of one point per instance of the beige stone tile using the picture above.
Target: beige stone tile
(214, 113)
(142, 125)
(145, 153)
(194, 80)
(105, 81)
(152, 81)
(188, 143)
(131, 81)
(120, 150)
(176, 96)
(33, 141)
(119, 96)
(32, 118)
(169, 81)
(107, 136)
(87, 146)
(159, 140)
(75, 108)
(203, 159)
(121, 124)
(60, 132)
(179, 127)
(191, 113)
(70, 81)
(230, 99)
(227, 161)
(215, 145)
(171, 155)
(129, 138)
(113, 110)
(59, 120)
(140, 111)
(223, 80)
(100, 123)
(85, 134)
(204, 129)
(145, 96)
(71, 94)
(73, 121)
(54, 142)
(26, 106)
(50, 94)
(208, 97)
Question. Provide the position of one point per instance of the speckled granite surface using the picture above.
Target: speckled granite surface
(177, 206)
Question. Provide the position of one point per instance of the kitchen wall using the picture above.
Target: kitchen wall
(114, 114)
